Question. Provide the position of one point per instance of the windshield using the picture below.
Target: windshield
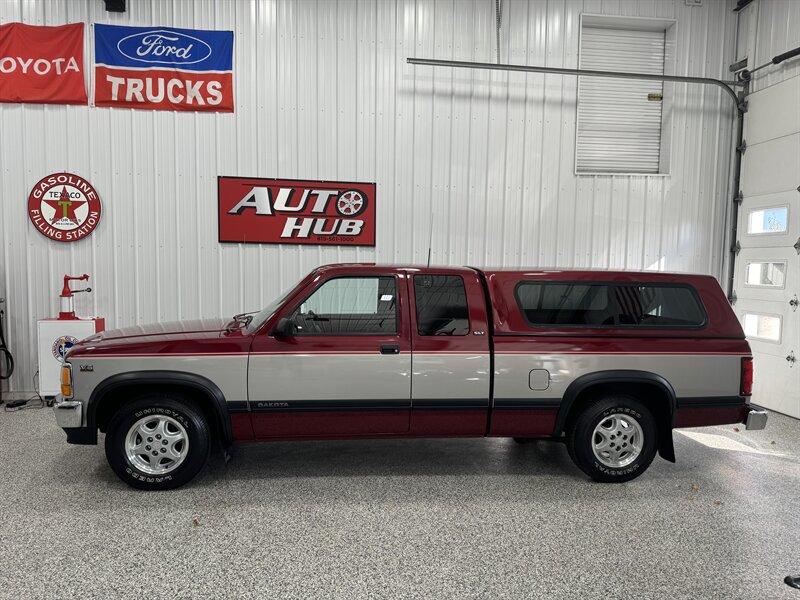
(261, 317)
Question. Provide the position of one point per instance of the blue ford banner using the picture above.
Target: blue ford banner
(163, 68)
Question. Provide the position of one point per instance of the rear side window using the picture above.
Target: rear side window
(609, 305)
(441, 305)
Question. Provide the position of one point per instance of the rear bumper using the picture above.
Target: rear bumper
(756, 418)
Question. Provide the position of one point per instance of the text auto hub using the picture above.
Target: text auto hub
(316, 202)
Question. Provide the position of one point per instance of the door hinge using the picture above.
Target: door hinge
(791, 358)
(737, 247)
(743, 146)
(732, 298)
(793, 303)
(797, 245)
(738, 197)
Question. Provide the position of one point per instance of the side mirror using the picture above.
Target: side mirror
(285, 328)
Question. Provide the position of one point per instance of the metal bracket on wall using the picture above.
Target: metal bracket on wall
(738, 66)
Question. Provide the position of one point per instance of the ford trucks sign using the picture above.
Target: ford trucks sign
(288, 211)
(158, 68)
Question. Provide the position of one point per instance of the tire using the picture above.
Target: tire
(168, 425)
(603, 458)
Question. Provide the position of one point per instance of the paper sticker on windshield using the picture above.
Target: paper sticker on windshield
(386, 298)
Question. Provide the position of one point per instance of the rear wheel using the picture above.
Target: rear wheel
(613, 439)
(157, 442)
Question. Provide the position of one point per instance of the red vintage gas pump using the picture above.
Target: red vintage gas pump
(57, 336)
(67, 297)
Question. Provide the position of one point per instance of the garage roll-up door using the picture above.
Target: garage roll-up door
(619, 129)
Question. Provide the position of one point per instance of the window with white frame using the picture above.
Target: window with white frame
(620, 121)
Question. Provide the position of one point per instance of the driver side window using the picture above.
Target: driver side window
(350, 306)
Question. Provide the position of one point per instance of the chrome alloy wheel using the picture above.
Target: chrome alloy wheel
(156, 444)
(617, 440)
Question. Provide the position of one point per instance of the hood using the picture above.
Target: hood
(206, 336)
(162, 329)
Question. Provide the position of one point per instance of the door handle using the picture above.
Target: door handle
(390, 348)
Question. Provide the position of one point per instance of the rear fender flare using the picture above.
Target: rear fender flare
(581, 384)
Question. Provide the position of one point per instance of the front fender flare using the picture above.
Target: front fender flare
(178, 378)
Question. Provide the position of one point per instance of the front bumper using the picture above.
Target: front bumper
(69, 413)
(756, 418)
(69, 416)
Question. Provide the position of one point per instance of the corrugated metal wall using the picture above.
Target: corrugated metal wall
(479, 164)
(767, 28)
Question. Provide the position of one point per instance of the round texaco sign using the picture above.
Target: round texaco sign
(64, 207)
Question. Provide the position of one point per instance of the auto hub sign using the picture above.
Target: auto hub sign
(159, 68)
(287, 211)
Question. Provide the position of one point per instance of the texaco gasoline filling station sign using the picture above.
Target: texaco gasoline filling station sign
(64, 207)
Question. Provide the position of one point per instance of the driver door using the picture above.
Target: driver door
(346, 369)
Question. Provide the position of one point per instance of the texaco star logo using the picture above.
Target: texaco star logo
(64, 207)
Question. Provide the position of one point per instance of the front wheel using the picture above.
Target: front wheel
(613, 439)
(157, 442)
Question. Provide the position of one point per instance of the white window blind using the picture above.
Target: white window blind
(619, 129)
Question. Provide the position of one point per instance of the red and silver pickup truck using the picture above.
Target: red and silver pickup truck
(609, 362)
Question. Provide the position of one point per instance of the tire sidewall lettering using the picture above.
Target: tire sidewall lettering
(163, 411)
(146, 478)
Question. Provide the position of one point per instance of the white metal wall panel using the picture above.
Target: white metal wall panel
(767, 28)
(619, 129)
(478, 164)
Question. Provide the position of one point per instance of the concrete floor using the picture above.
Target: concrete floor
(402, 519)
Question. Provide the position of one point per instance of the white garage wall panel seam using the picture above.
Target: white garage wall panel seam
(478, 164)
(619, 129)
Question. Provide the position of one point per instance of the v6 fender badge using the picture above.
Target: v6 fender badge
(64, 207)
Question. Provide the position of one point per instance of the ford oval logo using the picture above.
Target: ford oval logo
(164, 47)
